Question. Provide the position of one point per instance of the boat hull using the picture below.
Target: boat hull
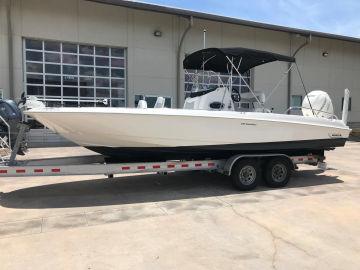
(293, 148)
(161, 134)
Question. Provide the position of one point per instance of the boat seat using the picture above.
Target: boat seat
(142, 104)
(160, 102)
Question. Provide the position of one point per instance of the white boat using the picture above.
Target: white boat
(207, 127)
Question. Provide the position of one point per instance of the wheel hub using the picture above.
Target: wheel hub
(279, 172)
(247, 175)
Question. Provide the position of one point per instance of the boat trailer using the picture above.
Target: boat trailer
(245, 170)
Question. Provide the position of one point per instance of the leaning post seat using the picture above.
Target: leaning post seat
(142, 104)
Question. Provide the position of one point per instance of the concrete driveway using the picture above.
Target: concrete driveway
(183, 220)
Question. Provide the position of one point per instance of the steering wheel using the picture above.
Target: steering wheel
(235, 95)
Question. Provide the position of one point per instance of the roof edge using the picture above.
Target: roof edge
(224, 19)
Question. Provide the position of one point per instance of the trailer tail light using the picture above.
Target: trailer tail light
(3, 171)
(20, 171)
(211, 164)
(156, 166)
(125, 168)
(55, 170)
(170, 166)
(38, 170)
(184, 165)
(198, 164)
(141, 167)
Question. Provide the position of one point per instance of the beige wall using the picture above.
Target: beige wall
(4, 64)
(152, 60)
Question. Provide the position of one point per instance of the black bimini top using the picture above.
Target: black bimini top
(215, 59)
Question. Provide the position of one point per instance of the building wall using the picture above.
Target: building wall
(152, 60)
(4, 64)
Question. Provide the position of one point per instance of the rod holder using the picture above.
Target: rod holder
(345, 109)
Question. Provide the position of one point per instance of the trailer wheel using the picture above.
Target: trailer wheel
(278, 172)
(245, 174)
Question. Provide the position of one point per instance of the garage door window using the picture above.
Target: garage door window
(75, 75)
(204, 80)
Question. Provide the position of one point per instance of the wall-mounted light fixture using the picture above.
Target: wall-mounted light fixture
(325, 54)
(157, 33)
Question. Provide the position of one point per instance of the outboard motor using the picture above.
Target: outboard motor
(320, 105)
(13, 116)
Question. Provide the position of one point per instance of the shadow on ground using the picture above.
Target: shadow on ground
(140, 189)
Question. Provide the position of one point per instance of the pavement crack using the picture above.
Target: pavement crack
(273, 237)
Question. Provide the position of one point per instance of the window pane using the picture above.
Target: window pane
(52, 46)
(50, 68)
(71, 104)
(236, 80)
(34, 56)
(34, 67)
(85, 49)
(53, 104)
(118, 83)
(69, 59)
(102, 51)
(244, 89)
(71, 70)
(70, 48)
(117, 52)
(168, 102)
(70, 80)
(35, 90)
(102, 82)
(70, 91)
(86, 60)
(33, 44)
(87, 92)
(117, 73)
(53, 91)
(34, 78)
(52, 57)
(53, 80)
(102, 72)
(117, 93)
(296, 101)
(102, 93)
(89, 71)
(87, 104)
(117, 103)
(116, 62)
(102, 61)
(86, 81)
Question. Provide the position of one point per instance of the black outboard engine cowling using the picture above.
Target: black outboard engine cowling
(12, 114)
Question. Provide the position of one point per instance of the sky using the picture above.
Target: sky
(330, 16)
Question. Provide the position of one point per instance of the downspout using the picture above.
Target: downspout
(10, 50)
(178, 62)
(307, 41)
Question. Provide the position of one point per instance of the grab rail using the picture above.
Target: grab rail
(333, 116)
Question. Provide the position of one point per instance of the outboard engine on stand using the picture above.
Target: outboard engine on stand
(12, 119)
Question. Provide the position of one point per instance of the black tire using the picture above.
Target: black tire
(245, 174)
(278, 172)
